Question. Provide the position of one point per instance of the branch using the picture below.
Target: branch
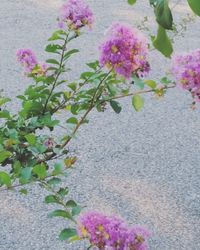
(58, 74)
(135, 93)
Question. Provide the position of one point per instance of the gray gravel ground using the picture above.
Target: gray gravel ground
(141, 166)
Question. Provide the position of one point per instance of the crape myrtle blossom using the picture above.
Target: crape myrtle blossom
(125, 50)
(75, 14)
(186, 70)
(111, 233)
(27, 59)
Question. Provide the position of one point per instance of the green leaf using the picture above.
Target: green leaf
(57, 169)
(23, 191)
(71, 203)
(138, 82)
(195, 6)
(31, 139)
(138, 102)
(86, 75)
(57, 35)
(165, 80)
(152, 84)
(61, 213)
(54, 181)
(4, 114)
(93, 65)
(53, 48)
(67, 233)
(163, 14)
(72, 86)
(63, 192)
(26, 174)
(162, 42)
(53, 61)
(5, 179)
(72, 120)
(51, 199)
(76, 210)
(70, 53)
(40, 170)
(4, 155)
(4, 100)
(131, 2)
(115, 106)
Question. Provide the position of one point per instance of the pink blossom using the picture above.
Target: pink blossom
(186, 70)
(75, 14)
(27, 59)
(111, 233)
(125, 50)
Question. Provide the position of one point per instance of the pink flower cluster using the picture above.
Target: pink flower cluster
(75, 14)
(186, 69)
(27, 59)
(125, 50)
(111, 233)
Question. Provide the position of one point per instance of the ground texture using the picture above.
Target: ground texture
(142, 166)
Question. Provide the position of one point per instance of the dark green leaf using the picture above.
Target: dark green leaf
(63, 191)
(71, 203)
(51, 199)
(52, 61)
(162, 42)
(163, 14)
(53, 48)
(70, 53)
(115, 106)
(61, 213)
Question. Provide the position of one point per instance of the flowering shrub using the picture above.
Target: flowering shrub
(29, 149)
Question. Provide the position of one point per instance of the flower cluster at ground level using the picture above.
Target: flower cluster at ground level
(27, 59)
(111, 233)
(186, 70)
(75, 14)
(125, 50)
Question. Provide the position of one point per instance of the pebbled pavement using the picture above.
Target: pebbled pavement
(142, 166)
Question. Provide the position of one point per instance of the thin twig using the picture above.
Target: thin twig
(135, 93)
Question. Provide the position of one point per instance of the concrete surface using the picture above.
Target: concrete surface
(142, 166)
